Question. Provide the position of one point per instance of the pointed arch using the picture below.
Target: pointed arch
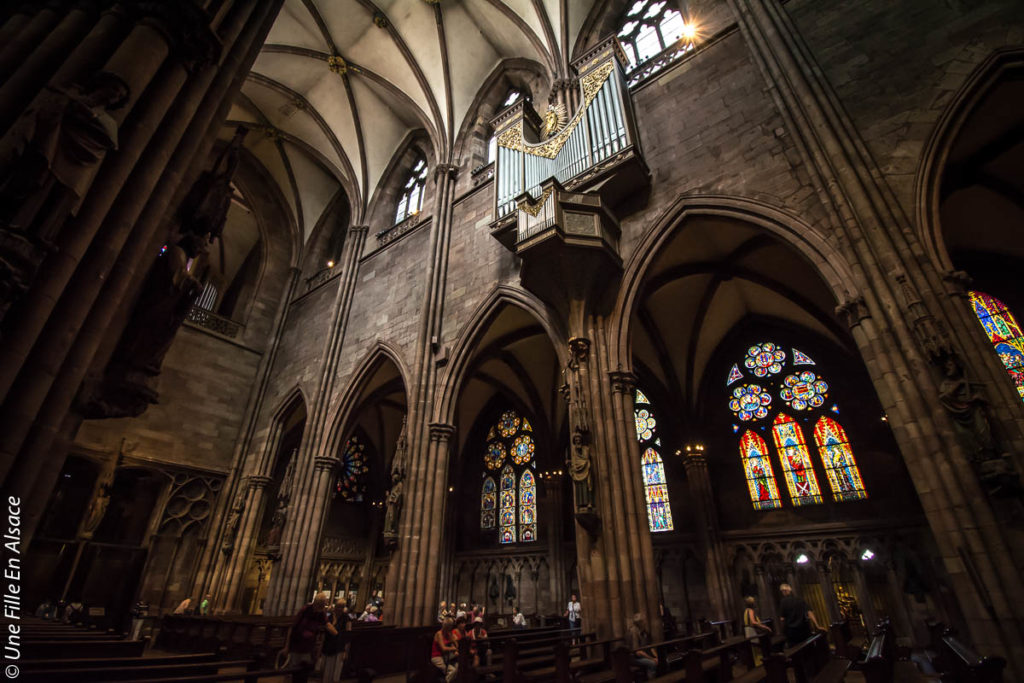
(757, 466)
(934, 156)
(466, 346)
(381, 352)
(807, 240)
(1003, 333)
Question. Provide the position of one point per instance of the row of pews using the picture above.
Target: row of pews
(52, 652)
(958, 662)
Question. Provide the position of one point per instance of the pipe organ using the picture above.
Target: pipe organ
(601, 128)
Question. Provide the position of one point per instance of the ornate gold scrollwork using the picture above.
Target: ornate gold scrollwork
(512, 138)
(534, 208)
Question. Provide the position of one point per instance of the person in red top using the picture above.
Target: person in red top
(444, 650)
(476, 633)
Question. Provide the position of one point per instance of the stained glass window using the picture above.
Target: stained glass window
(351, 483)
(796, 461)
(510, 448)
(803, 389)
(750, 402)
(659, 510)
(840, 465)
(760, 475)
(1004, 333)
(765, 359)
(411, 200)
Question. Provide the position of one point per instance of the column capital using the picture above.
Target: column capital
(623, 382)
(441, 431)
(324, 463)
(446, 170)
(358, 230)
(693, 458)
(259, 481)
(957, 282)
(853, 311)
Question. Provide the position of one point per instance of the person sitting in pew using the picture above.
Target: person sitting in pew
(518, 620)
(444, 649)
(637, 638)
(476, 634)
(797, 617)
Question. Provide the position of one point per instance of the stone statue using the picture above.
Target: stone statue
(100, 501)
(394, 506)
(969, 412)
(579, 470)
(129, 384)
(51, 152)
(234, 520)
(284, 496)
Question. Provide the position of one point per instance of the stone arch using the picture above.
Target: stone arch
(382, 352)
(934, 157)
(380, 212)
(803, 238)
(466, 346)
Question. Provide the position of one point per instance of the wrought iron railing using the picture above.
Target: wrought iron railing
(215, 323)
(601, 127)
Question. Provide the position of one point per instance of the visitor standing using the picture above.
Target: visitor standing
(797, 617)
(334, 643)
(574, 612)
(204, 606)
(309, 623)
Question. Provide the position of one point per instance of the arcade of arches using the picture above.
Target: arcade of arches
(660, 303)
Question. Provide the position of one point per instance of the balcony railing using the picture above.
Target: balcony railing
(215, 323)
(601, 128)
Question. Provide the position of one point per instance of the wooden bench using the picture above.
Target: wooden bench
(82, 649)
(811, 662)
(142, 668)
(111, 663)
(295, 675)
(958, 662)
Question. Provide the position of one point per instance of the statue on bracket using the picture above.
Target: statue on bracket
(284, 497)
(579, 470)
(580, 460)
(129, 384)
(234, 519)
(968, 410)
(393, 501)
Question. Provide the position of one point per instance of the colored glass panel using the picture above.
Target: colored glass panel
(351, 484)
(750, 402)
(645, 424)
(488, 503)
(507, 516)
(796, 461)
(1005, 334)
(495, 455)
(526, 425)
(840, 465)
(509, 423)
(522, 449)
(801, 358)
(641, 397)
(803, 390)
(765, 359)
(757, 466)
(734, 375)
(527, 507)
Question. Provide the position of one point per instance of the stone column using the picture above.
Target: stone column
(831, 604)
(31, 31)
(860, 585)
(227, 592)
(723, 601)
(767, 603)
(901, 617)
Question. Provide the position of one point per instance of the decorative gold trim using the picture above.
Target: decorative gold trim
(337, 64)
(535, 208)
(512, 138)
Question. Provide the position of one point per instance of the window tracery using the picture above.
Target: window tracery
(411, 200)
(1004, 334)
(659, 509)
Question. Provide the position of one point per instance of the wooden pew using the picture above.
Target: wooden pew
(880, 661)
(82, 649)
(713, 663)
(114, 662)
(142, 668)
(811, 663)
(295, 675)
(964, 664)
(841, 639)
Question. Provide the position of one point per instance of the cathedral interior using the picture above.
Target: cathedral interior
(663, 303)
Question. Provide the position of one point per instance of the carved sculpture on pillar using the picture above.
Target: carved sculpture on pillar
(47, 159)
(969, 412)
(284, 496)
(234, 519)
(100, 501)
(581, 461)
(393, 515)
(129, 384)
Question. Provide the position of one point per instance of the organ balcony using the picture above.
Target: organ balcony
(559, 184)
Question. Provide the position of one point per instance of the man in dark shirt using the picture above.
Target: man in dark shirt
(797, 617)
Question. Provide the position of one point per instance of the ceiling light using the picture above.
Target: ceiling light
(802, 559)
(866, 555)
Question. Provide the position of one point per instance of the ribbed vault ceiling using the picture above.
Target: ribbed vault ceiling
(404, 65)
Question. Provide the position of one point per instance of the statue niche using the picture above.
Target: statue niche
(130, 382)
